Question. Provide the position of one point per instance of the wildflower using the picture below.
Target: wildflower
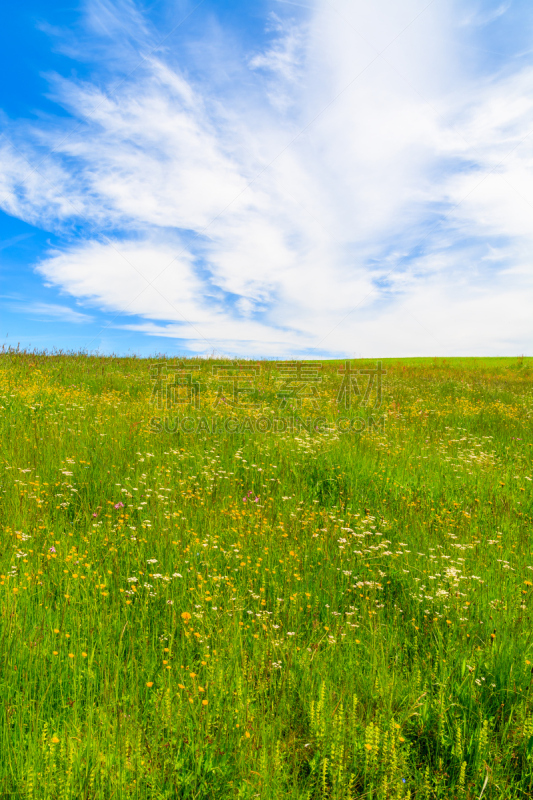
(119, 505)
(55, 740)
(52, 550)
(150, 684)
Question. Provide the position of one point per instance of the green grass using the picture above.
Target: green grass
(363, 629)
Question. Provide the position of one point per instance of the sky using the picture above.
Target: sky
(272, 179)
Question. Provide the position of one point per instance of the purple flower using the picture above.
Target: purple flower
(52, 550)
(119, 505)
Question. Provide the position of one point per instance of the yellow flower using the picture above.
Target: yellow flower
(150, 684)
(528, 662)
(204, 702)
(247, 734)
(368, 746)
(55, 740)
(84, 655)
(55, 653)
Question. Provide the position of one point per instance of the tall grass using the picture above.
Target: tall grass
(241, 615)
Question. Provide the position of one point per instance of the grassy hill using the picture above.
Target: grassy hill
(224, 580)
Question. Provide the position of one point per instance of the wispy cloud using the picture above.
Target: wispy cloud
(45, 312)
(353, 183)
(5, 244)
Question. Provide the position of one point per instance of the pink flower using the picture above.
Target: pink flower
(119, 505)
(95, 514)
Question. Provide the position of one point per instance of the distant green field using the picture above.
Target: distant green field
(258, 580)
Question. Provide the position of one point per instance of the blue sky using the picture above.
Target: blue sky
(281, 179)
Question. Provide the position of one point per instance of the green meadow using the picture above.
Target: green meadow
(234, 580)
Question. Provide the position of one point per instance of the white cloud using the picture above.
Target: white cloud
(51, 311)
(357, 165)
